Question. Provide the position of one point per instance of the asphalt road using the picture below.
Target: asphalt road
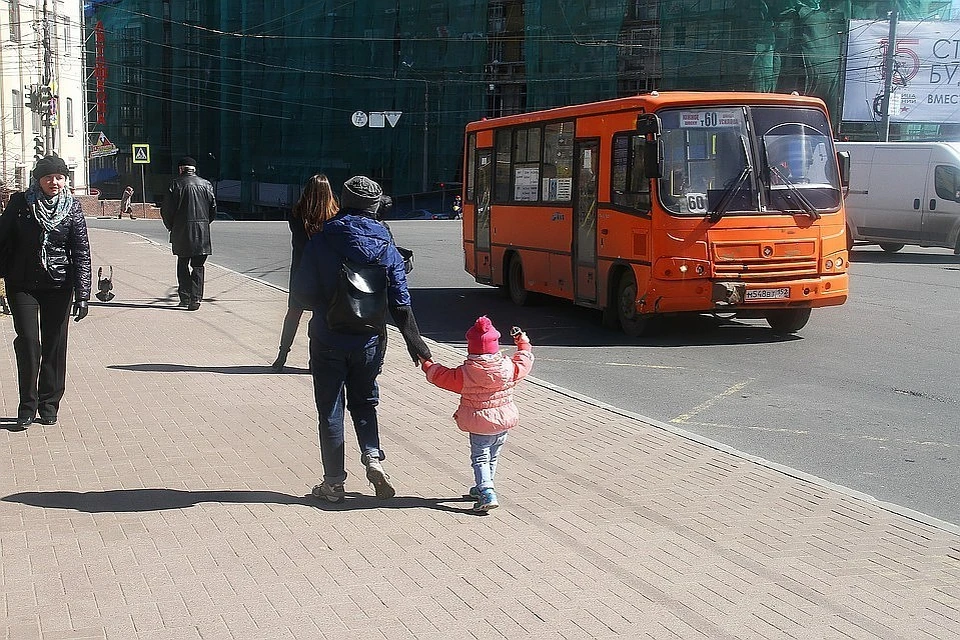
(866, 396)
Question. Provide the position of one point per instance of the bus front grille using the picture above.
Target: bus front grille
(765, 269)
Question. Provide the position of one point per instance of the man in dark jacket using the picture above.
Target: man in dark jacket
(187, 211)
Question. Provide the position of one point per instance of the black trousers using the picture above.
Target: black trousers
(40, 319)
(190, 282)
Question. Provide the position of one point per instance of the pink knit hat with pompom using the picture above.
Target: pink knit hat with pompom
(483, 337)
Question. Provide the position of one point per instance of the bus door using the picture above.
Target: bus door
(482, 198)
(585, 213)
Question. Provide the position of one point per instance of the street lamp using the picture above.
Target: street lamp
(426, 109)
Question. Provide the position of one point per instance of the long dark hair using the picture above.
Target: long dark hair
(316, 205)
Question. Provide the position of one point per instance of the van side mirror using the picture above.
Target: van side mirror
(843, 162)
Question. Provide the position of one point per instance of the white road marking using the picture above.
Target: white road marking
(685, 417)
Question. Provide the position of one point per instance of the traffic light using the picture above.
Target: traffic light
(33, 99)
(38, 148)
(46, 100)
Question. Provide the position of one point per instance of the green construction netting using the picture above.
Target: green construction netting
(264, 92)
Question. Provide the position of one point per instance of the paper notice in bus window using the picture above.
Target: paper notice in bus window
(587, 158)
(711, 118)
(556, 189)
(525, 182)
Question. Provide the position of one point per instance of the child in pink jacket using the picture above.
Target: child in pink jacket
(485, 382)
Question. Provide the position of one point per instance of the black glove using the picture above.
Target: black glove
(416, 347)
(80, 310)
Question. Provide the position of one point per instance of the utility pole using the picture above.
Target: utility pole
(888, 74)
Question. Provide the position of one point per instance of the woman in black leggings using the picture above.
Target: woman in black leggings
(46, 258)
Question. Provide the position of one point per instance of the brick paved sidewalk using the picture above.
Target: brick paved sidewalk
(170, 502)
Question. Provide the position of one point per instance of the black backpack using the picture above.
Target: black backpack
(359, 303)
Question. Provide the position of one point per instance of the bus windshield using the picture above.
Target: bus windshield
(710, 160)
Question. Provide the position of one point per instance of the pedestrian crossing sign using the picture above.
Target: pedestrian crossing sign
(141, 154)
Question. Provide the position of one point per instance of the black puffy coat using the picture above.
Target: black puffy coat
(187, 211)
(23, 239)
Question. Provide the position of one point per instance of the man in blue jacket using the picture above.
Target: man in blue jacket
(345, 366)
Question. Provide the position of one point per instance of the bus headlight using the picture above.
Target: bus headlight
(829, 265)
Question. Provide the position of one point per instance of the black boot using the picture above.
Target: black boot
(281, 360)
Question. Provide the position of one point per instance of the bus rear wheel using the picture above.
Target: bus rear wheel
(516, 288)
(632, 323)
(786, 321)
(890, 247)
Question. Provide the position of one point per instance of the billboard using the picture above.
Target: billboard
(926, 72)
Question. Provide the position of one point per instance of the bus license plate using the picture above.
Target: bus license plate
(768, 294)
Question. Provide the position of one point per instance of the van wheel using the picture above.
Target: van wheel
(891, 247)
(786, 321)
(515, 286)
(633, 324)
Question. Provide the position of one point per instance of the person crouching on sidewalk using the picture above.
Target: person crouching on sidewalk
(485, 382)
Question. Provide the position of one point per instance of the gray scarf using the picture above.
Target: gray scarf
(48, 210)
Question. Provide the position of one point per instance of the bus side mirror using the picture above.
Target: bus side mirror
(843, 161)
(647, 124)
(652, 167)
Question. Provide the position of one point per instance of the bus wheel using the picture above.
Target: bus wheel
(891, 247)
(515, 287)
(633, 324)
(784, 321)
(849, 240)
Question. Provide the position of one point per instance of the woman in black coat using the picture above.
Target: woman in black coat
(46, 258)
(316, 204)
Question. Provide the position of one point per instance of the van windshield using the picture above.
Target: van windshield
(711, 159)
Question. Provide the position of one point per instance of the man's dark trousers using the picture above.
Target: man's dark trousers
(190, 284)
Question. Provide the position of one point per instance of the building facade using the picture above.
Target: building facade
(265, 94)
(41, 89)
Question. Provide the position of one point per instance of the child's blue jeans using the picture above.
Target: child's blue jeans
(484, 452)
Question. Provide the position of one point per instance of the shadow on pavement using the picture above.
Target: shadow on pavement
(445, 315)
(132, 500)
(160, 304)
(357, 501)
(138, 500)
(179, 368)
(882, 257)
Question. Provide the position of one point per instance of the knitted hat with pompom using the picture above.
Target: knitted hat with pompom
(483, 337)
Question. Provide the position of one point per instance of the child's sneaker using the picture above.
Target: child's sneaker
(474, 493)
(379, 479)
(330, 492)
(487, 500)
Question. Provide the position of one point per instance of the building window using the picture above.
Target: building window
(66, 33)
(130, 45)
(131, 131)
(17, 112)
(68, 109)
(131, 76)
(15, 20)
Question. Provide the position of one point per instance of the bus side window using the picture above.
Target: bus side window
(630, 187)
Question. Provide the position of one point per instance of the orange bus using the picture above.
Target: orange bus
(662, 203)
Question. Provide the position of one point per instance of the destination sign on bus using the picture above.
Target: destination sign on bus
(711, 119)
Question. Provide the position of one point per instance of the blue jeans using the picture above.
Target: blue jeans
(484, 452)
(346, 377)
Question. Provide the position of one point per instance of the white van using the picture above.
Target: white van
(903, 193)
